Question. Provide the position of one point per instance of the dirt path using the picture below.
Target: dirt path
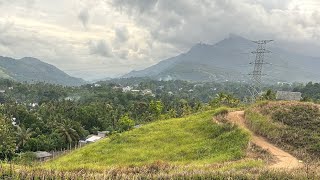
(283, 160)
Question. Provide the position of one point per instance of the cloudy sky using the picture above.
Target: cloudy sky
(106, 38)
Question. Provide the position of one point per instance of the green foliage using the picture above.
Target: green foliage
(223, 99)
(222, 111)
(262, 125)
(23, 135)
(27, 158)
(7, 140)
(195, 139)
(125, 123)
(269, 95)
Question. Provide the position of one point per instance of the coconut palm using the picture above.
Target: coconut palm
(67, 131)
(23, 135)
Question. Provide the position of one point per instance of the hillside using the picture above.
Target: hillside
(229, 60)
(33, 70)
(293, 126)
(192, 140)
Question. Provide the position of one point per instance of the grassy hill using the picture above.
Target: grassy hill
(294, 126)
(192, 140)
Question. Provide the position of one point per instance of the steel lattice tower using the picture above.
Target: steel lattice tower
(256, 81)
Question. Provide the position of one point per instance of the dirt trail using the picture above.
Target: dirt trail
(283, 160)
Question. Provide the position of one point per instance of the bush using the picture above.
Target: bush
(27, 158)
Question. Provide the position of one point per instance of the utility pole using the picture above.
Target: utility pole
(256, 81)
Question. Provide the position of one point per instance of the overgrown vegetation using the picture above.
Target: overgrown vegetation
(291, 125)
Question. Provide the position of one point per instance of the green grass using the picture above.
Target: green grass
(194, 140)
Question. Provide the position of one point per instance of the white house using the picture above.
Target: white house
(93, 138)
(126, 89)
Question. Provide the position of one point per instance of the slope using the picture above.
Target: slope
(292, 126)
(195, 139)
(284, 160)
(33, 70)
(229, 60)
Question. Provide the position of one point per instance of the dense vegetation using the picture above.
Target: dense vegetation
(293, 126)
(44, 117)
(175, 136)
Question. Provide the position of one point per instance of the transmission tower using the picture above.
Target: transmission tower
(256, 81)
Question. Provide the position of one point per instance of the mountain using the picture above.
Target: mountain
(33, 70)
(229, 60)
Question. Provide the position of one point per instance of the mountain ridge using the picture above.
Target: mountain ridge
(229, 60)
(29, 69)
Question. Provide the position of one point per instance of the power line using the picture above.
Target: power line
(256, 79)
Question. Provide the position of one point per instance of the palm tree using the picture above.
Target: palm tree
(23, 135)
(69, 134)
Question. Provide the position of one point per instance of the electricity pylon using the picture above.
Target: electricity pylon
(256, 81)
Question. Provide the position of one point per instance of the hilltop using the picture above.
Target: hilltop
(192, 140)
(33, 70)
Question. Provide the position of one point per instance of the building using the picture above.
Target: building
(43, 156)
(93, 138)
(103, 134)
(147, 92)
(126, 89)
(288, 96)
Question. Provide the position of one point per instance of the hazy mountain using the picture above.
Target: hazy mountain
(229, 60)
(33, 70)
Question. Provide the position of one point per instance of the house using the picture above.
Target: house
(43, 156)
(135, 91)
(92, 138)
(2, 91)
(126, 89)
(147, 92)
(288, 96)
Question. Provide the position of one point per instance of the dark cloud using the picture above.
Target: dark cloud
(84, 17)
(140, 6)
(100, 48)
(182, 23)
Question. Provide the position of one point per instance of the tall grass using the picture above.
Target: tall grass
(292, 125)
(157, 170)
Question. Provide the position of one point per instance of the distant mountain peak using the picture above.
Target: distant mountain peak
(29, 69)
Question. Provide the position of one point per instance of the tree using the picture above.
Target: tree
(125, 123)
(269, 95)
(156, 108)
(223, 99)
(67, 131)
(23, 135)
(7, 140)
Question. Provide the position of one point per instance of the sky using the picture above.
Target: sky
(94, 39)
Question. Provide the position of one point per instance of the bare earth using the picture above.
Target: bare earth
(283, 160)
